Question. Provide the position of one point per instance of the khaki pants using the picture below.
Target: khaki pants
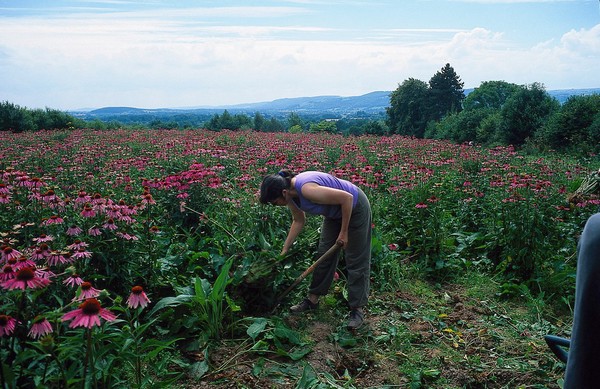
(357, 254)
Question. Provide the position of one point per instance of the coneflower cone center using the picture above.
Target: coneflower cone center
(90, 307)
(25, 274)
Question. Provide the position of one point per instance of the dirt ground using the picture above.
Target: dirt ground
(468, 345)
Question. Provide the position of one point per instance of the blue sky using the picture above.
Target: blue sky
(159, 53)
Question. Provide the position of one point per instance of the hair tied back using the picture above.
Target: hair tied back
(282, 174)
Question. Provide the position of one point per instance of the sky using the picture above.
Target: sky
(69, 55)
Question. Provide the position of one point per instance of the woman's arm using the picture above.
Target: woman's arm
(298, 221)
(324, 195)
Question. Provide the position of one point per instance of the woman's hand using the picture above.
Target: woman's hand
(342, 240)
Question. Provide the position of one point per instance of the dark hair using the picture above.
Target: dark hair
(273, 185)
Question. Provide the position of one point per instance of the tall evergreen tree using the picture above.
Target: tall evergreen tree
(446, 93)
(259, 122)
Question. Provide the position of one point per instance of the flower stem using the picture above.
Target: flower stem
(2, 379)
(88, 356)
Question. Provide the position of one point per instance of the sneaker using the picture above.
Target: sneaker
(303, 306)
(356, 320)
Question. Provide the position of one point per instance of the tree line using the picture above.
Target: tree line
(495, 113)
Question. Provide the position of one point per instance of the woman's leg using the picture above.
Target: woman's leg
(358, 253)
(323, 274)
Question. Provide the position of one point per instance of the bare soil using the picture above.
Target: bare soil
(449, 340)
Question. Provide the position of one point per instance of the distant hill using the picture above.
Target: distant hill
(370, 104)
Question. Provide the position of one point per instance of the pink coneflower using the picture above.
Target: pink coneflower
(40, 327)
(88, 211)
(34, 182)
(97, 199)
(78, 244)
(128, 210)
(87, 291)
(41, 252)
(7, 325)
(44, 272)
(49, 196)
(74, 231)
(126, 236)
(147, 199)
(137, 298)
(54, 219)
(10, 253)
(43, 238)
(112, 211)
(421, 205)
(393, 246)
(126, 218)
(23, 261)
(88, 314)
(82, 198)
(8, 273)
(110, 225)
(56, 258)
(81, 253)
(73, 280)
(94, 231)
(25, 278)
(4, 198)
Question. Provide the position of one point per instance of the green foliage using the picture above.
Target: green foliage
(415, 103)
(226, 121)
(407, 113)
(459, 127)
(19, 119)
(294, 119)
(499, 113)
(295, 129)
(490, 94)
(258, 122)
(327, 126)
(524, 113)
(575, 126)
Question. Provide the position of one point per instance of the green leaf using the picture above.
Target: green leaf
(346, 341)
(199, 289)
(298, 353)
(257, 327)
(221, 281)
(264, 245)
(198, 369)
(291, 336)
(171, 302)
(308, 378)
(258, 367)
(261, 345)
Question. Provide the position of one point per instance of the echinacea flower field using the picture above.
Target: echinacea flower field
(142, 258)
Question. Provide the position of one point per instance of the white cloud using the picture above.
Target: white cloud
(179, 58)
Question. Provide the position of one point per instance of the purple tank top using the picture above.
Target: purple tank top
(327, 180)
